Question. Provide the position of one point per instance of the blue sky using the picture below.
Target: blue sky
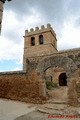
(18, 15)
(9, 65)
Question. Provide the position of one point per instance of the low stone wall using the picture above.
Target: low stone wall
(74, 92)
(14, 76)
(14, 85)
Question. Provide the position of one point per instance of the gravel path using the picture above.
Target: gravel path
(9, 109)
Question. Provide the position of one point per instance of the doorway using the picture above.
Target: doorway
(62, 79)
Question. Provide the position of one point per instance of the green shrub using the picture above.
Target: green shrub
(50, 85)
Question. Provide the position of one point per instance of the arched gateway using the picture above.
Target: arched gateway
(54, 61)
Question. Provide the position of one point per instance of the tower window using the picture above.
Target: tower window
(41, 39)
(32, 41)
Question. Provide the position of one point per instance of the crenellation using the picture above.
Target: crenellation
(48, 25)
(31, 30)
(42, 27)
(36, 28)
(26, 31)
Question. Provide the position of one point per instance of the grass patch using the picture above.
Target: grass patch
(51, 85)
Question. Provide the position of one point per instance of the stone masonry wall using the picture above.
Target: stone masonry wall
(48, 47)
(69, 60)
(73, 54)
(14, 85)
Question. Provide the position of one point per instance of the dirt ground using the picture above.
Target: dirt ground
(55, 108)
(52, 111)
(10, 109)
(40, 116)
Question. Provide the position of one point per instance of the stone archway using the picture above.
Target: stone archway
(49, 74)
(53, 73)
(62, 79)
(61, 61)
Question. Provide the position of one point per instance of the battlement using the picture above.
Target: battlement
(38, 30)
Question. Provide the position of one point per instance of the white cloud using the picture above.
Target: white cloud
(9, 20)
(10, 49)
(70, 37)
(32, 20)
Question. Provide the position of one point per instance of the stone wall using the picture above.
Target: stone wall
(74, 89)
(72, 93)
(78, 89)
(69, 60)
(54, 61)
(14, 85)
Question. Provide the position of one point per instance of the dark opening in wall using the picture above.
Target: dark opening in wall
(41, 39)
(32, 41)
(63, 79)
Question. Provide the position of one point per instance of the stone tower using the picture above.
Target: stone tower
(39, 42)
(1, 11)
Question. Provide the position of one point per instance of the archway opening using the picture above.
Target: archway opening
(62, 79)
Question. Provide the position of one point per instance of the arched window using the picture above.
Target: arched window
(40, 39)
(32, 41)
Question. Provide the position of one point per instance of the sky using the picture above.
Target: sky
(19, 15)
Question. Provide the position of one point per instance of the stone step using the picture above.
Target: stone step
(49, 111)
(55, 106)
(56, 102)
(63, 112)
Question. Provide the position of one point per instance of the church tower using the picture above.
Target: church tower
(39, 42)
